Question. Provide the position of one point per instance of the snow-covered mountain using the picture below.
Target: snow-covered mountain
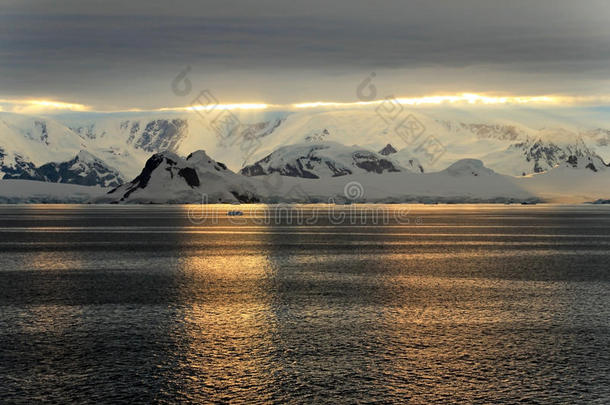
(16, 166)
(28, 142)
(539, 155)
(321, 160)
(169, 178)
(84, 169)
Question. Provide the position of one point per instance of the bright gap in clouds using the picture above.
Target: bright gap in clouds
(36, 105)
(242, 106)
(465, 98)
(32, 106)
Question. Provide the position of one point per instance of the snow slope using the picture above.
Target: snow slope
(31, 192)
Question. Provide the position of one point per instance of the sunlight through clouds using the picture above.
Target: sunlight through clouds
(31, 106)
(34, 106)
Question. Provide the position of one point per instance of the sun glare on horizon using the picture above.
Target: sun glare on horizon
(37, 105)
(31, 106)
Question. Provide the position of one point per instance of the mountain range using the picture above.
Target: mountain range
(330, 146)
(295, 174)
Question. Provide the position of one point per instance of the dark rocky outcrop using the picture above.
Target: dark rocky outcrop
(141, 181)
(370, 162)
(190, 176)
(387, 150)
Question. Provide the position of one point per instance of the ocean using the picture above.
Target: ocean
(305, 304)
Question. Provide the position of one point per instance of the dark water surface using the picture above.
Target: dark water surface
(473, 304)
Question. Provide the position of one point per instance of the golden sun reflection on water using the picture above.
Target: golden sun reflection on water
(230, 332)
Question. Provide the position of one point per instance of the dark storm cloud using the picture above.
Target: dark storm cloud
(78, 47)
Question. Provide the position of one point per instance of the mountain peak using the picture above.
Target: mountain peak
(387, 150)
(201, 158)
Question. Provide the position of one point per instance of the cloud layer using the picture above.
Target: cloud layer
(114, 55)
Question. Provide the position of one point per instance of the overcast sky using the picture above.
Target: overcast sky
(119, 55)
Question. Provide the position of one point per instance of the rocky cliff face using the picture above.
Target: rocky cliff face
(543, 156)
(592, 163)
(156, 135)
